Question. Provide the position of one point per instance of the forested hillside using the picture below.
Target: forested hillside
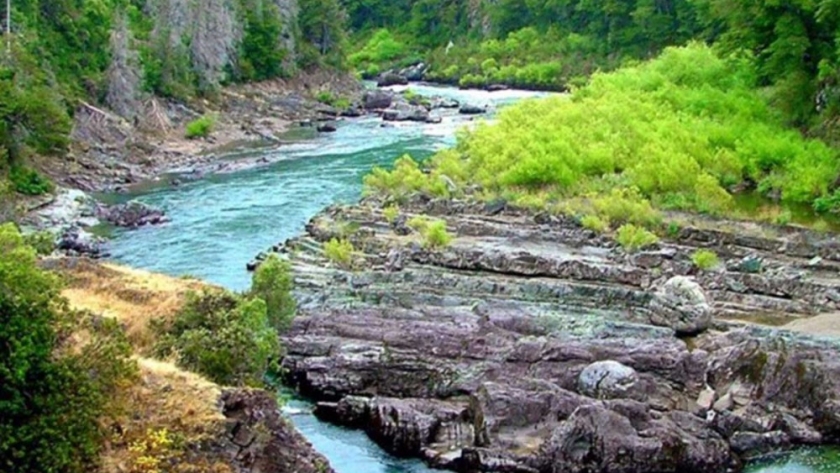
(115, 54)
(556, 43)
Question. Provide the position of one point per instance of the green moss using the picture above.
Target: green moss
(200, 127)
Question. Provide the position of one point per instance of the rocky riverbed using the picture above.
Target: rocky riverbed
(530, 344)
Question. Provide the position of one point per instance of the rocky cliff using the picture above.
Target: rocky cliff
(531, 344)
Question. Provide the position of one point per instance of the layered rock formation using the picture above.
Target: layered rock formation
(531, 344)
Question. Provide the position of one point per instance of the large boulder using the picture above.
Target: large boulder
(403, 112)
(75, 241)
(390, 78)
(607, 380)
(682, 305)
(625, 437)
(414, 73)
(377, 100)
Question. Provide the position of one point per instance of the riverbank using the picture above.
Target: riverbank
(174, 417)
(530, 343)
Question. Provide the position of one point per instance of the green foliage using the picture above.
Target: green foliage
(391, 213)
(673, 133)
(226, 337)
(54, 387)
(272, 282)
(594, 223)
(42, 242)
(327, 98)
(633, 238)
(705, 259)
(339, 252)
(381, 51)
(434, 232)
(200, 127)
(260, 57)
(323, 35)
(27, 181)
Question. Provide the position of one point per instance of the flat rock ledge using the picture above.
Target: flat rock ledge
(530, 344)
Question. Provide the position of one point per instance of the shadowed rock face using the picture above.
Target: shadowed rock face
(258, 439)
(533, 345)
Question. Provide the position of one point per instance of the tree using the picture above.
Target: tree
(322, 28)
(53, 390)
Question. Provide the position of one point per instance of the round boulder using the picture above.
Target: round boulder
(607, 380)
(682, 305)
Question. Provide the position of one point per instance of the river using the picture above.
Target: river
(219, 223)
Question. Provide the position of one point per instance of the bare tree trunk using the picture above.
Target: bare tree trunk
(8, 26)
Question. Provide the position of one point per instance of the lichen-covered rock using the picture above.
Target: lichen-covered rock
(682, 305)
(607, 379)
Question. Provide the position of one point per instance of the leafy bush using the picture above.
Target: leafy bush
(42, 242)
(594, 223)
(339, 252)
(59, 370)
(27, 181)
(200, 127)
(435, 235)
(705, 259)
(633, 238)
(226, 337)
(272, 282)
(674, 133)
(419, 223)
(391, 213)
(381, 50)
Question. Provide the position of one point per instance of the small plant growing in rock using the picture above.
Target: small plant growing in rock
(418, 223)
(705, 259)
(391, 213)
(200, 127)
(339, 252)
(594, 223)
(435, 235)
(673, 230)
(633, 238)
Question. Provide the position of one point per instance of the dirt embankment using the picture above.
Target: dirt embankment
(172, 417)
(110, 153)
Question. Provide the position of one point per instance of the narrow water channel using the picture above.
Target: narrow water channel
(219, 223)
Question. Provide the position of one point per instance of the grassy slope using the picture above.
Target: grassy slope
(164, 396)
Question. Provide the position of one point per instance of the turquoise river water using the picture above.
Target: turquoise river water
(220, 222)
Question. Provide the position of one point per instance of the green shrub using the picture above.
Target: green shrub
(60, 370)
(391, 213)
(272, 282)
(200, 127)
(226, 337)
(705, 259)
(633, 238)
(435, 235)
(672, 133)
(27, 181)
(382, 49)
(594, 223)
(42, 242)
(339, 252)
(418, 223)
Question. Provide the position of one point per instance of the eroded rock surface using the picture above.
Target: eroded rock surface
(530, 344)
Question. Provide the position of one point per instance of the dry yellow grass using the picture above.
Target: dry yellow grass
(165, 401)
(133, 297)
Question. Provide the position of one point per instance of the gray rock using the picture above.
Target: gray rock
(472, 110)
(607, 380)
(682, 305)
(377, 100)
(390, 78)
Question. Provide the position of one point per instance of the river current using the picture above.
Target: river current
(221, 222)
